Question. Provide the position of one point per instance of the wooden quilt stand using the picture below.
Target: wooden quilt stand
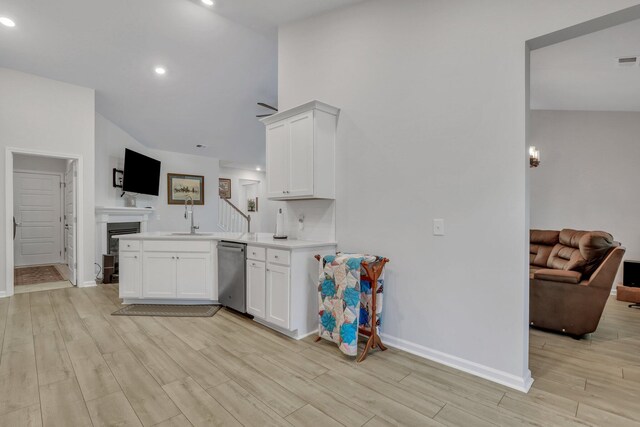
(373, 272)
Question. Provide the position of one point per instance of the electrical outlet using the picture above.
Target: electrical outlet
(438, 227)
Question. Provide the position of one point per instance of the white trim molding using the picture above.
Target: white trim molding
(88, 284)
(522, 384)
(9, 255)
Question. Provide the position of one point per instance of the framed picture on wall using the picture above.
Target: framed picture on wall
(180, 187)
(224, 188)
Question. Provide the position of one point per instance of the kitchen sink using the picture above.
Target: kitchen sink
(189, 234)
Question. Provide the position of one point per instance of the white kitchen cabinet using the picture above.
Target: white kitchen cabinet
(256, 288)
(301, 152)
(278, 295)
(181, 275)
(277, 159)
(168, 270)
(301, 155)
(159, 275)
(193, 275)
(281, 277)
(130, 268)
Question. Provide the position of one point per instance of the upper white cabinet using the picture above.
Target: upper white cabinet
(301, 146)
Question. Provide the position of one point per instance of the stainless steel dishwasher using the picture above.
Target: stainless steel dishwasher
(232, 275)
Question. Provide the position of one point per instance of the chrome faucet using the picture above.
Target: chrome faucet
(186, 214)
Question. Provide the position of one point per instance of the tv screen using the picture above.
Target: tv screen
(141, 174)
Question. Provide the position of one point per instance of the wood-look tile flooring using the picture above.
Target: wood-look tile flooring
(67, 362)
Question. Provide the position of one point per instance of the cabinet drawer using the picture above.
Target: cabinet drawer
(129, 245)
(278, 256)
(255, 252)
(177, 246)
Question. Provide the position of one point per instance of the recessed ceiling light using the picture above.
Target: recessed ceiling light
(208, 2)
(201, 146)
(161, 71)
(7, 22)
(258, 169)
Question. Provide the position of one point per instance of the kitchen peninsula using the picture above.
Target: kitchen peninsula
(182, 268)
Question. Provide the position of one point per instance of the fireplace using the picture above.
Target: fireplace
(117, 229)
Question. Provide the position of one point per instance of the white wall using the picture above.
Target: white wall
(39, 163)
(433, 126)
(111, 142)
(58, 118)
(589, 174)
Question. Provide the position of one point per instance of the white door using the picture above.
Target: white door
(277, 159)
(193, 272)
(130, 275)
(38, 216)
(256, 288)
(301, 155)
(69, 219)
(159, 278)
(278, 303)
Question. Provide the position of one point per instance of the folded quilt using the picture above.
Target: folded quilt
(344, 304)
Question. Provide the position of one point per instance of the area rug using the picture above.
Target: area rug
(34, 275)
(163, 310)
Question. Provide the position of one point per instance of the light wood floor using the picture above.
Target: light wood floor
(66, 362)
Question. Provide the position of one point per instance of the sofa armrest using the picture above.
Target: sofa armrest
(563, 276)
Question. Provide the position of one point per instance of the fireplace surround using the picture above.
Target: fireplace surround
(118, 219)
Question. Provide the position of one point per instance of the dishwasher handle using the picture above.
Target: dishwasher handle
(230, 248)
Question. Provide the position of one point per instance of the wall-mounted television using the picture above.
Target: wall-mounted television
(141, 174)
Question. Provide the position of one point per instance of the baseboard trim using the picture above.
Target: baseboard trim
(3, 294)
(87, 284)
(522, 384)
(303, 336)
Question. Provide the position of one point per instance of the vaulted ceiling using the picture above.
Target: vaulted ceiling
(583, 74)
(219, 62)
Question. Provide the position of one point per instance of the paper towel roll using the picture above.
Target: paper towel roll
(279, 223)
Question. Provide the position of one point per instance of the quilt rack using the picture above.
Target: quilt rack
(373, 271)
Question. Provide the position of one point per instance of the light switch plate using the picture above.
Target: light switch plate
(438, 227)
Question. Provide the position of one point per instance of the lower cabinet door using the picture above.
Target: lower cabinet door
(278, 295)
(130, 268)
(193, 275)
(256, 288)
(159, 278)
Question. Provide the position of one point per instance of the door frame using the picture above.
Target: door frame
(9, 260)
(61, 202)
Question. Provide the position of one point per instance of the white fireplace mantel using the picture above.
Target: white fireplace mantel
(111, 214)
(121, 214)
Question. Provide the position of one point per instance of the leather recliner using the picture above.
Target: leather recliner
(571, 274)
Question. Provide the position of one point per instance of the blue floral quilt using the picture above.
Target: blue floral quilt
(340, 298)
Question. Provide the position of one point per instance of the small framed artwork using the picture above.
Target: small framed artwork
(224, 188)
(181, 187)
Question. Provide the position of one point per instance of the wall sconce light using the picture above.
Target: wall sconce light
(534, 157)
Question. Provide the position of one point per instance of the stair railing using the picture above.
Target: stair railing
(232, 219)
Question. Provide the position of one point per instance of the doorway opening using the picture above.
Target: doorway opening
(582, 121)
(42, 197)
(249, 201)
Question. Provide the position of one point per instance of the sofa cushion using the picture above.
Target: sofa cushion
(539, 254)
(570, 237)
(544, 237)
(541, 244)
(580, 250)
(533, 269)
(566, 258)
(594, 246)
(562, 276)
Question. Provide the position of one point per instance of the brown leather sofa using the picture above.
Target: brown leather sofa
(571, 273)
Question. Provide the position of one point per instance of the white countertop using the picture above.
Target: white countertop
(257, 239)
